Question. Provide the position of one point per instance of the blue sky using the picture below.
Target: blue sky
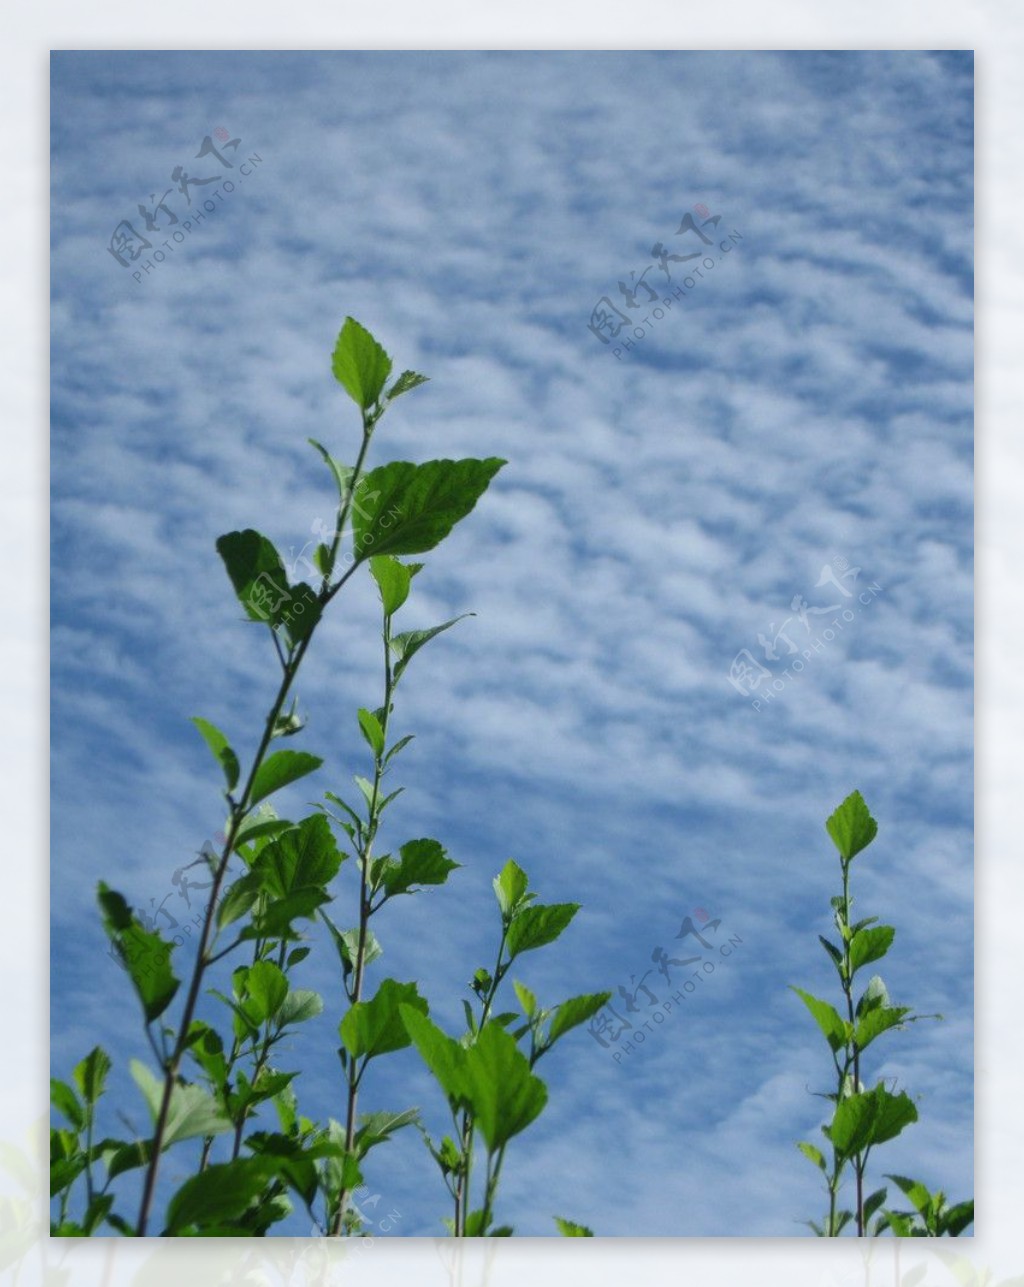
(807, 405)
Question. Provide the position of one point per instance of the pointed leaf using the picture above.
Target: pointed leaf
(257, 573)
(268, 987)
(360, 364)
(504, 1094)
(836, 1030)
(280, 770)
(875, 1022)
(411, 508)
(510, 886)
(406, 646)
(420, 862)
(445, 1058)
(63, 1098)
(299, 1005)
(870, 945)
(91, 1074)
(375, 1027)
(537, 926)
(144, 953)
(569, 1229)
(223, 1192)
(815, 1155)
(372, 731)
(570, 1014)
(406, 381)
(852, 827)
(393, 580)
(223, 753)
(192, 1111)
(342, 474)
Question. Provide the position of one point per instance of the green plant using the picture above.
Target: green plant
(212, 1084)
(863, 1118)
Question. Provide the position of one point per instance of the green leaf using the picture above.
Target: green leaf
(237, 900)
(875, 1022)
(813, 1154)
(301, 613)
(569, 1229)
(836, 1030)
(347, 944)
(299, 1005)
(958, 1218)
(833, 951)
(875, 994)
(444, 1057)
(505, 1095)
(852, 827)
(406, 646)
(372, 731)
(872, 1203)
(406, 381)
(510, 889)
(375, 1027)
(393, 580)
(918, 1193)
(224, 1191)
(412, 508)
(91, 1074)
(280, 770)
(342, 474)
(64, 1099)
(871, 1117)
(420, 862)
(257, 573)
(192, 1111)
(222, 752)
(526, 998)
(870, 945)
(306, 856)
(267, 987)
(144, 953)
(360, 364)
(537, 926)
(375, 1128)
(570, 1014)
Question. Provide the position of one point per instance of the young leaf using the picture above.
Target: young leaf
(375, 1027)
(915, 1191)
(526, 998)
(877, 1021)
(91, 1074)
(372, 731)
(875, 994)
(393, 580)
(267, 988)
(281, 769)
(406, 646)
(812, 1154)
(257, 573)
(360, 364)
(835, 1029)
(869, 945)
(223, 753)
(64, 1099)
(406, 381)
(537, 926)
(375, 1128)
(852, 827)
(569, 1229)
(342, 474)
(193, 1113)
(411, 508)
(510, 888)
(833, 951)
(504, 1094)
(420, 862)
(144, 953)
(872, 1203)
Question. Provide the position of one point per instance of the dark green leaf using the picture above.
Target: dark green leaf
(411, 508)
(852, 827)
(537, 926)
(301, 612)
(420, 862)
(360, 364)
(398, 746)
(257, 573)
(960, 1217)
(238, 899)
(875, 1022)
(918, 1193)
(375, 1027)
(223, 1191)
(280, 770)
(870, 945)
(222, 752)
(872, 1203)
(144, 953)
(63, 1098)
(833, 951)
(407, 645)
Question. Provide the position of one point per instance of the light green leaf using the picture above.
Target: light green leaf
(375, 1128)
(406, 381)
(144, 953)
(347, 944)
(64, 1099)
(875, 1022)
(570, 1014)
(537, 926)
(192, 1111)
(405, 646)
(445, 1058)
(91, 1074)
(510, 889)
(411, 508)
(870, 945)
(305, 856)
(267, 987)
(299, 1005)
(375, 1027)
(814, 1154)
(526, 998)
(223, 753)
(372, 731)
(569, 1229)
(837, 1031)
(224, 1191)
(504, 1093)
(393, 580)
(852, 827)
(280, 770)
(915, 1191)
(360, 364)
